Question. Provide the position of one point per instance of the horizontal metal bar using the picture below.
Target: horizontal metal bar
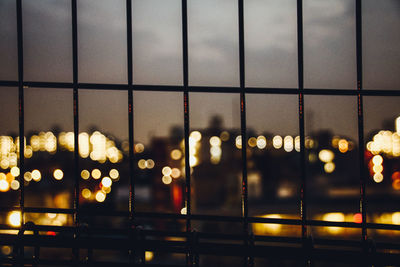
(202, 217)
(205, 89)
(49, 210)
(53, 262)
(205, 248)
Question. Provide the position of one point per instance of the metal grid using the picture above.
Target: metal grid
(194, 244)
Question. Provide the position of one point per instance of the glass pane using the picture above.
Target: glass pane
(159, 148)
(215, 160)
(329, 44)
(102, 41)
(213, 43)
(382, 158)
(103, 126)
(47, 32)
(157, 42)
(271, 43)
(8, 44)
(48, 173)
(273, 161)
(333, 183)
(9, 148)
(381, 42)
(159, 160)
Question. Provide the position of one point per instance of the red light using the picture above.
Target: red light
(396, 175)
(51, 233)
(357, 218)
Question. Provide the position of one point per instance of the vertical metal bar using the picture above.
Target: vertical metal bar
(76, 120)
(360, 119)
(21, 107)
(130, 123)
(130, 108)
(300, 58)
(244, 201)
(21, 122)
(189, 260)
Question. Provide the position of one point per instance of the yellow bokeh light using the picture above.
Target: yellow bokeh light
(14, 185)
(193, 161)
(35, 142)
(268, 228)
(329, 167)
(142, 164)
(216, 151)
(166, 171)
(84, 146)
(215, 141)
(309, 142)
(333, 217)
(6, 250)
(86, 193)
(176, 154)
(14, 218)
(114, 174)
(51, 215)
(326, 155)
(106, 190)
(224, 136)
(166, 179)
(106, 182)
(396, 218)
(148, 256)
(343, 145)
(377, 168)
(150, 164)
(378, 177)
(85, 174)
(377, 160)
(215, 160)
(397, 123)
(335, 141)
(288, 143)
(369, 146)
(277, 142)
(196, 135)
(4, 163)
(2, 176)
(252, 142)
(4, 186)
(14, 171)
(58, 174)
(100, 196)
(261, 142)
(238, 141)
(28, 176)
(36, 175)
(184, 211)
(175, 173)
(28, 152)
(139, 148)
(297, 143)
(96, 174)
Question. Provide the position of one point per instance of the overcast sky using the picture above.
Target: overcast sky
(271, 61)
